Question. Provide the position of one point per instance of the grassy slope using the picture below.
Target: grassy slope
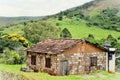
(79, 29)
(45, 76)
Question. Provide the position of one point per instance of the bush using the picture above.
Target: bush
(11, 57)
(57, 24)
(9, 44)
(119, 38)
(17, 38)
(65, 33)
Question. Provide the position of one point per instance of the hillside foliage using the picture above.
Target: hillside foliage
(12, 57)
(36, 32)
(106, 19)
(65, 33)
(8, 43)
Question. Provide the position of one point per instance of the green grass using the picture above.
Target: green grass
(79, 29)
(45, 76)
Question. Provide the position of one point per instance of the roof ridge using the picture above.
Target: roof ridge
(64, 39)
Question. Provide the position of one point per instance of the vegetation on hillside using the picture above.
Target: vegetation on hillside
(12, 57)
(106, 19)
(38, 31)
(8, 43)
(12, 49)
(16, 37)
(65, 33)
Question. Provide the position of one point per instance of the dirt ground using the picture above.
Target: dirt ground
(87, 76)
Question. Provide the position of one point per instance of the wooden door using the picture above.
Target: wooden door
(64, 67)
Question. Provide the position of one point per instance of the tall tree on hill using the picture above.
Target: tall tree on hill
(65, 33)
(112, 40)
(91, 39)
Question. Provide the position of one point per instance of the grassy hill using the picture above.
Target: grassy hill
(78, 28)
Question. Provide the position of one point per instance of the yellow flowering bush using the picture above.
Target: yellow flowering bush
(16, 37)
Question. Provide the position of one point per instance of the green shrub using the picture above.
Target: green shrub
(11, 57)
(65, 33)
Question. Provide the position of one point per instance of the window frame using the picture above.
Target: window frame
(33, 59)
(48, 62)
(93, 61)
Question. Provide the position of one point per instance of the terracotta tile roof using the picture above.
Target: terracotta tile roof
(53, 46)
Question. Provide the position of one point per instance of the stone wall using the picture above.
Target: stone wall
(78, 63)
(40, 62)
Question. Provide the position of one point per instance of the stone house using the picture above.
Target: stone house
(66, 57)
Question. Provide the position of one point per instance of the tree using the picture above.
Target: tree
(39, 31)
(11, 57)
(65, 33)
(112, 40)
(91, 36)
(91, 39)
(119, 38)
(9, 44)
(16, 37)
(24, 23)
(1, 34)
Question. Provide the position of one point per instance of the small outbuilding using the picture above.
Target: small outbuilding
(66, 57)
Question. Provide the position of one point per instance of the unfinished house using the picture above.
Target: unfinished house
(66, 57)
